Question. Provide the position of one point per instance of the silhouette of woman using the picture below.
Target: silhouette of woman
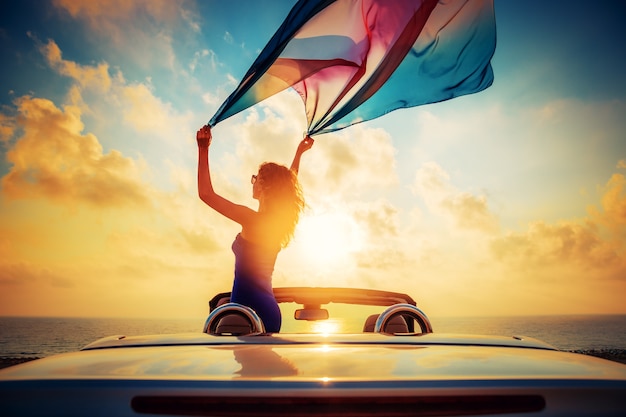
(264, 232)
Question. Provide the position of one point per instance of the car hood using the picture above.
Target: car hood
(325, 359)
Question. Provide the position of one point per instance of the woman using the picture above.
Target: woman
(263, 232)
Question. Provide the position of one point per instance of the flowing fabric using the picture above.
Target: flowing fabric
(356, 60)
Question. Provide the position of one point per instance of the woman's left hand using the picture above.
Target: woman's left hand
(203, 136)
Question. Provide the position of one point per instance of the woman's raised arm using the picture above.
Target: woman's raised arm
(304, 145)
(236, 212)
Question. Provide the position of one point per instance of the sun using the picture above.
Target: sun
(326, 328)
(328, 238)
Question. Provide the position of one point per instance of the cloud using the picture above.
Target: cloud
(150, 115)
(462, 209)
(94, 77)
(379, 219)
(7, 128)
(355, 163)
(548, 245)
(200, 56)
(149, 23)
(54, 160)
(114, 18)
(134, 103)
(597, 244)
(100, 230)
(232, 80)
(612, 215)
(470, 212)
(79, 223)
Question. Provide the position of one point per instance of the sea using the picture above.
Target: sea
(37, 337)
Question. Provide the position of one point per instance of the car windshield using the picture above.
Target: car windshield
(342, 318)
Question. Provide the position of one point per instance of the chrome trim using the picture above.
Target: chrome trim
(403, 310)
(234, 308)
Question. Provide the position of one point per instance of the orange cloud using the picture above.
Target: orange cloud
(470, 212)
(7, 128)
(613, 214)
(596, 243)
(96, 77)
(150, 115)
(53, 160)
(111, 16)
(462, 209)
(563, 244)
(134, 103)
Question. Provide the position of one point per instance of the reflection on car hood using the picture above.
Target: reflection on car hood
(318, 358)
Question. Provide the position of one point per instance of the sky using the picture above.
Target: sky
(511, 201)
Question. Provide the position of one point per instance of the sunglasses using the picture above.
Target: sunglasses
(253, 179)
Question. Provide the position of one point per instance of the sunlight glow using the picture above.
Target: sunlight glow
(326, 327)
(329, 237)
(324, 348)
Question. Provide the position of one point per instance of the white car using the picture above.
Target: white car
(393, 364)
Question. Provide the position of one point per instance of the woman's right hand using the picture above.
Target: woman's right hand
(203, 136)
(305, 144)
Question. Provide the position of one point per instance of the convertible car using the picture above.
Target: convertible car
(341, 352)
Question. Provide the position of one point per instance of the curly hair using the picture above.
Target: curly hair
(282, 198)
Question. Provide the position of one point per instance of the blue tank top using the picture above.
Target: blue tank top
(252, 287)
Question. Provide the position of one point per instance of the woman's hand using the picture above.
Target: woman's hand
(305, 145)
(203, 137)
